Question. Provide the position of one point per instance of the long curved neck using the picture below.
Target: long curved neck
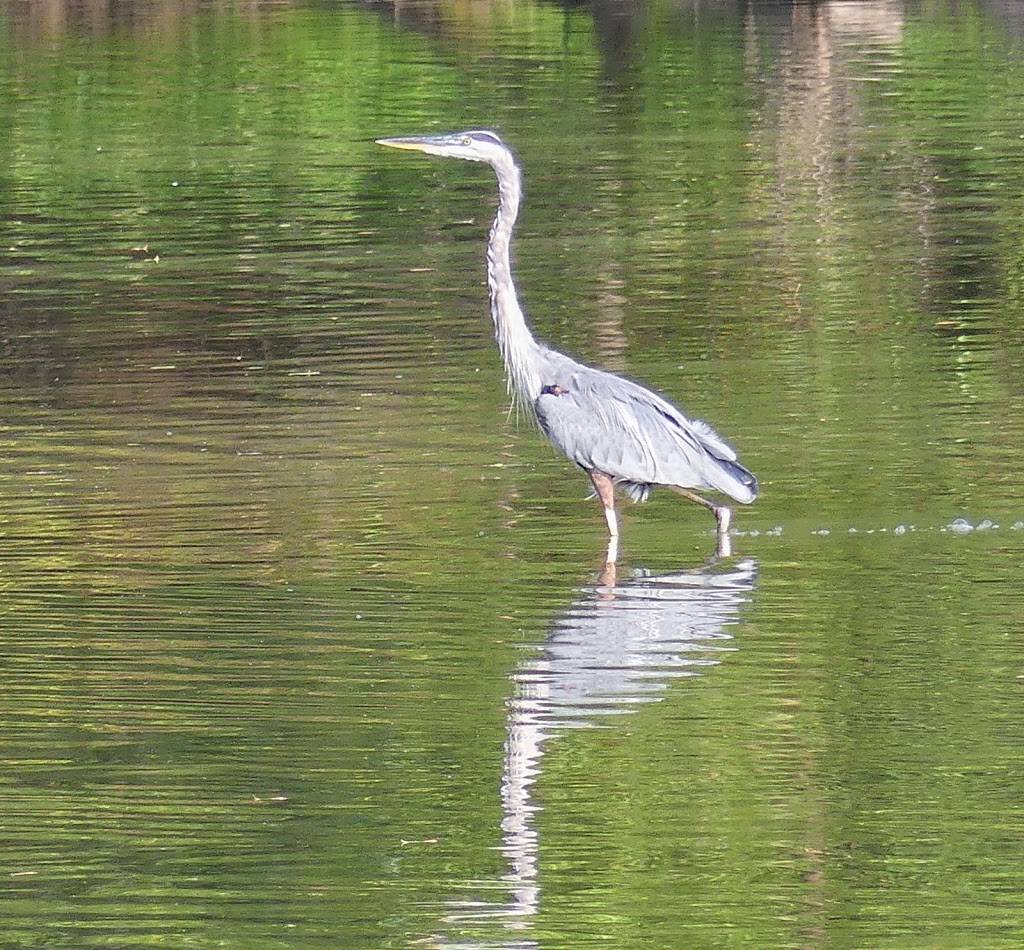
(519, 350)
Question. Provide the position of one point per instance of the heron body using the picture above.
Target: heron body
(618, 431)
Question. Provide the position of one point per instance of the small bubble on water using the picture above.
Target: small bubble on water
(851, 530)
(986, 525)
(754, 533)
(960, 526)
(822, 532)
(900, 529)
(1017, 526)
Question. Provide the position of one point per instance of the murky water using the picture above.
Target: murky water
(306, 643)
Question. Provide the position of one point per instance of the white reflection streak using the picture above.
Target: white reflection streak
(615, 648)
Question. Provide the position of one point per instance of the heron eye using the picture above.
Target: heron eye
(466, 140)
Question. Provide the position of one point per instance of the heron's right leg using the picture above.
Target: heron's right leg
(605, 488)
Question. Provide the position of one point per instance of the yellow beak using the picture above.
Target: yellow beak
(410, 144)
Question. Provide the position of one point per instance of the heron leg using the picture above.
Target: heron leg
(612, 554)
(605, 488)
(723, 517)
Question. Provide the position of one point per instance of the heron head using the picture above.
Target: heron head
(478, 146)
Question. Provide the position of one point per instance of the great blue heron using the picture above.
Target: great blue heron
(617, 431)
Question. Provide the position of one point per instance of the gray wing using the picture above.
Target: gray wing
(603, 422)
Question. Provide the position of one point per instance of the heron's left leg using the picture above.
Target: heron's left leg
(723, 514)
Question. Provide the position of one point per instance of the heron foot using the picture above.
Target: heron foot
(723, 516)
(608, 576)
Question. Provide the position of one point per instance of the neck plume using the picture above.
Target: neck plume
(519, 350)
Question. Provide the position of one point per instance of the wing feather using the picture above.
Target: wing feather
(603, 422)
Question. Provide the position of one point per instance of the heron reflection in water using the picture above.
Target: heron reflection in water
(615, 648)
(619, 432)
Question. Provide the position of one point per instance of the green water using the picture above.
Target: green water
(305, 642)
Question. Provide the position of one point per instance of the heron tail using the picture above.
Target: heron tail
(735, 480)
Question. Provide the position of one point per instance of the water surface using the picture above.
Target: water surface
(306, 642)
